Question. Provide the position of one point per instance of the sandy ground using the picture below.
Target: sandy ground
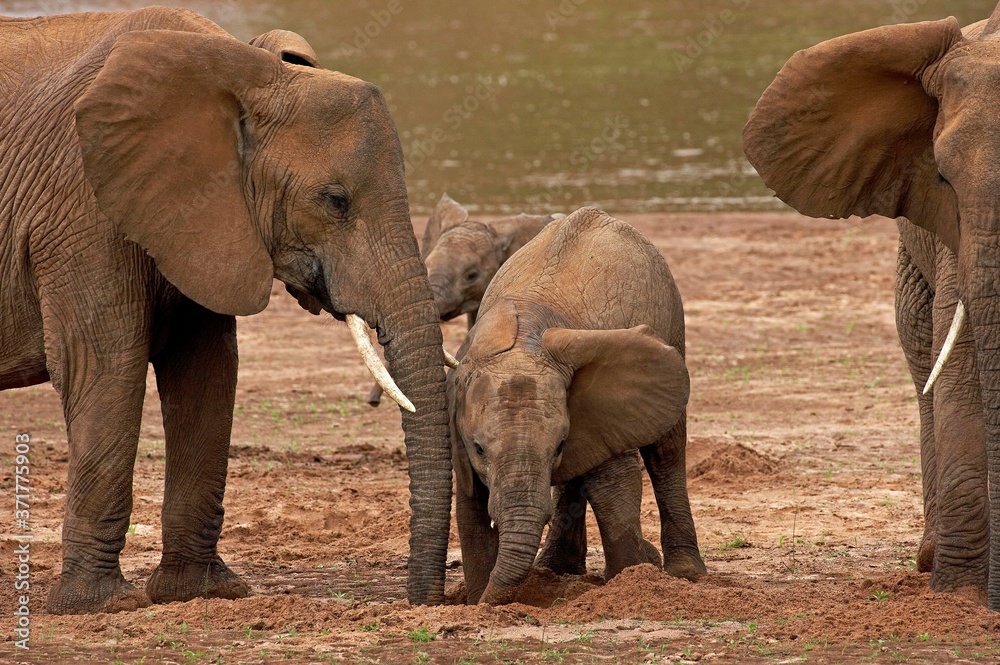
(804, 478)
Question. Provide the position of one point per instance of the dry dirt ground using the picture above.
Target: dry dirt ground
(804, 478)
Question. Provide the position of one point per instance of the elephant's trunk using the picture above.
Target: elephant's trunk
(978, 285)
(409, 330)
(521, 510)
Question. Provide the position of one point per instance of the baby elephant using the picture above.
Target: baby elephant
(463, 255)
(577, 358)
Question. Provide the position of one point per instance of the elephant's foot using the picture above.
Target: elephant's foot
(925, 555)
(88, 594)
(652, 555)
(183, 580)
(684, 563)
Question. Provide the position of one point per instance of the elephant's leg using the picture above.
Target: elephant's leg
(196, 378)
(915, 327)
(102, 397)
(665, 464)
(565, 548)
(961, 552)
(479, 539)
(615, 493)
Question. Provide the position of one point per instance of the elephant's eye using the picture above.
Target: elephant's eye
(479, 450)
(559, 450)
(472, 275)
(336, 202)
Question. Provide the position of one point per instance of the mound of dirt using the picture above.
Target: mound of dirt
(731, 462)
(542, 588)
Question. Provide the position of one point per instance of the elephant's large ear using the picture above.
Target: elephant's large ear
(288, 46)
(847, 127)
(446, 214)
(163, 133)
(628, 388)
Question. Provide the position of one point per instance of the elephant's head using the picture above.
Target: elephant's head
(462, 256)
(533, 405)
(901, 121)
(230, 166)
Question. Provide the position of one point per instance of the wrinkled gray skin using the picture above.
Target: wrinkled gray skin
(901, 121)
(576, 359)
(157, 174)
(462, 256)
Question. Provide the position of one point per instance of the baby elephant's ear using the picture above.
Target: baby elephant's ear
(289, 46)
(628, 389)
(446, 214)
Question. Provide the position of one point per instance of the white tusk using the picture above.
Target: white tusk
(493, 524)
(949, 345)
(359, 331)
(450, 360)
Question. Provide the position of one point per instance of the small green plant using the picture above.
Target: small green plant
(423, 657)
(422, 634)
(553, 655)
(924, 637)
(131, 529)
(736, 542)
(585, 637)
(183, 628)
(370, 627)
(752, 627)
(879, 595)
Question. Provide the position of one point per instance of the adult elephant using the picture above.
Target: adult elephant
(156, 175)
(901, 121)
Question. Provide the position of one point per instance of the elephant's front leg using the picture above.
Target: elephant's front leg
(915, 327)
(102, 399)
(615, 492)
(196, 378)
(665, 464)
(565, 549)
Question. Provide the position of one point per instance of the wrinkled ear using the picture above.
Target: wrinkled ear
(514, 233)
(628, 389)
(446, 214)
(162, 134)
(494, 332)
(846, 128)
(288, 46)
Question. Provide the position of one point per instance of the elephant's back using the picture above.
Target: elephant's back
(597, 272)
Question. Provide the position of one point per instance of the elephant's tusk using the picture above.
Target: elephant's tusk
(949, 345)
(359, 331)
(450, 360)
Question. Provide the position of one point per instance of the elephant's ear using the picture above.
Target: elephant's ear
(495, 332)
(288, 46)
(162, 132)
(446, 214)
(847, 128)
(628, 389)
(514, 233)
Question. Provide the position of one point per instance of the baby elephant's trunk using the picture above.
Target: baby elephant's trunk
(522, 511)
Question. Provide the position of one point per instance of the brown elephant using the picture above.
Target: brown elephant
(463, 255)
(577, 357)
(157, 174)
(901, 121)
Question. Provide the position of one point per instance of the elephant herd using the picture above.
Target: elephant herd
(157, 174)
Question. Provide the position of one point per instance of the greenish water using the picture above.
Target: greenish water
(547, 105)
